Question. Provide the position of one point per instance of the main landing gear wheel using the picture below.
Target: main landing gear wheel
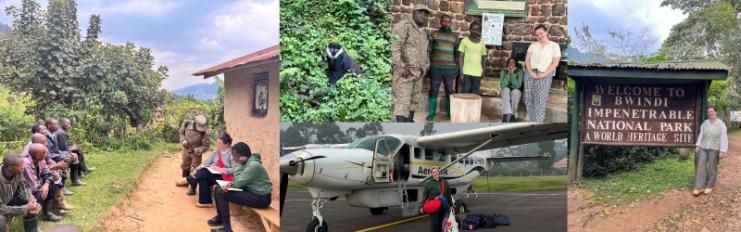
(377, 211)
(315, 227)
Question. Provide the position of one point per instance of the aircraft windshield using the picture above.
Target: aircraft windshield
(389, 145)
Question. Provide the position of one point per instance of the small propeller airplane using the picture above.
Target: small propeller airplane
(388, 170)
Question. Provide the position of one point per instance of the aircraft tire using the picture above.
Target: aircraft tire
(377, 211)
(314, 226)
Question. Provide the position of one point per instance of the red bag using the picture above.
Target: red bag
(432, 206)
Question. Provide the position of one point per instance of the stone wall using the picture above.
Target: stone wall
(551, 13)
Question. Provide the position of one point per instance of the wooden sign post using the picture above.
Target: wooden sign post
(656, 104)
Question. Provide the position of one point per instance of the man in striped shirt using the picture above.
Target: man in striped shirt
(443, 64)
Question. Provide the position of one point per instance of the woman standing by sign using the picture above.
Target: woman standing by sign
(541, 61)
(712, 144)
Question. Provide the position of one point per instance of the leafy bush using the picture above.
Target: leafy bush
(363, 28)
(604, 160)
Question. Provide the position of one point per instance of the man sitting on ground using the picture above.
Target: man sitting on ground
(15, 199)
(39, 179)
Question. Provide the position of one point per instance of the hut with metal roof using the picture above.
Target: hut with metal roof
(251, 107)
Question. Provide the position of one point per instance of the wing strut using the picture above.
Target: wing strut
(475, 149)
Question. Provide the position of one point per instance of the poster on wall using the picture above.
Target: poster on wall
(260, 97)
(491, 28)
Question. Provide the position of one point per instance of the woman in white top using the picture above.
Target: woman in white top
(541, 61)
(712, 144)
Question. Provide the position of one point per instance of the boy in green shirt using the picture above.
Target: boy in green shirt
(510, 79)
(473, 59)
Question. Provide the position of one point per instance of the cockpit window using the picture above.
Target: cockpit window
(387, 145)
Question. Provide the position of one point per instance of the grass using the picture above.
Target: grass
(647, 181)
(114, 180)
(520, 183)
(500, 184)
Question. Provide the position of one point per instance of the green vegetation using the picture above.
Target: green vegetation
(117, 176)
(109, 90)
(644, 182)
(520, 184)
(499, 184)
(363, 29)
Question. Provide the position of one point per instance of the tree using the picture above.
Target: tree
(49, 61)
(585, 43)
(710, 32)
(623, 46)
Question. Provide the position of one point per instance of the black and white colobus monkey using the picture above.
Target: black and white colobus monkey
(339, 63)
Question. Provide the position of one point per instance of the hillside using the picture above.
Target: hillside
(4, 28)
(204, 92)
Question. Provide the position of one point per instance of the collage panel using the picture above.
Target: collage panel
(653, 137)
(386, 176)
(335, 61)
(479, 61)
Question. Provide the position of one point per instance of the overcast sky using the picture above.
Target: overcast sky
(185, 35)
(623, 15)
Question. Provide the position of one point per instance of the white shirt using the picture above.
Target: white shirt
(542, 55)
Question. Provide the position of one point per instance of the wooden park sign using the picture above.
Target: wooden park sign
(652, 104)
(640, 115)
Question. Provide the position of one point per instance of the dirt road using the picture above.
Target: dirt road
(157, 205)
(676, 210)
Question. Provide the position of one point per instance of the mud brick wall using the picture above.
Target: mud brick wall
(551, 13)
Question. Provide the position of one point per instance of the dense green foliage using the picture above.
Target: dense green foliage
(603, 160)
(363, 28)
(711, 31)
(47, 60)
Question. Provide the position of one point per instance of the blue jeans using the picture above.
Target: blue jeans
(471, 84)
(444, 76)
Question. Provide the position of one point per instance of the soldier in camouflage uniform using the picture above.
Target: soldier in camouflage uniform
(410, 62)
(195, 142)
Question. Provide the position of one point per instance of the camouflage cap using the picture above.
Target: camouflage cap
(201, 123)
(422, 7)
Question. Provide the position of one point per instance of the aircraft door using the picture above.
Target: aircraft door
(383, 163)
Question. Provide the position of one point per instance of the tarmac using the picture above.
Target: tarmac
(527, 211)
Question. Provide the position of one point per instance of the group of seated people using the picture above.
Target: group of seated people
(250, 185)
(32, 184)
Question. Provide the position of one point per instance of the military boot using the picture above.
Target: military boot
(411, 116)
(60, 203)
(432, 109)
(49, 213)
(401, 118)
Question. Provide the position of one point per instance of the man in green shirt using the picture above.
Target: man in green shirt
(251, 178)
(443, 64)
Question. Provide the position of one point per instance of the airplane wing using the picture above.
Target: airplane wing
(501, 136)
(309, 146)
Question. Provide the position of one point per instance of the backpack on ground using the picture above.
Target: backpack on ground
(500, 219)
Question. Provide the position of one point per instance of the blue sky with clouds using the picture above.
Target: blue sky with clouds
(621, 15)
(185, 35)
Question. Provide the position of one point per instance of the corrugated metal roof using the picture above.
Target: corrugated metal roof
(262, 55)
(671, 66)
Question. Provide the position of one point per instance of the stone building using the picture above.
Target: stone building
(551, 13)
(517, 34)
